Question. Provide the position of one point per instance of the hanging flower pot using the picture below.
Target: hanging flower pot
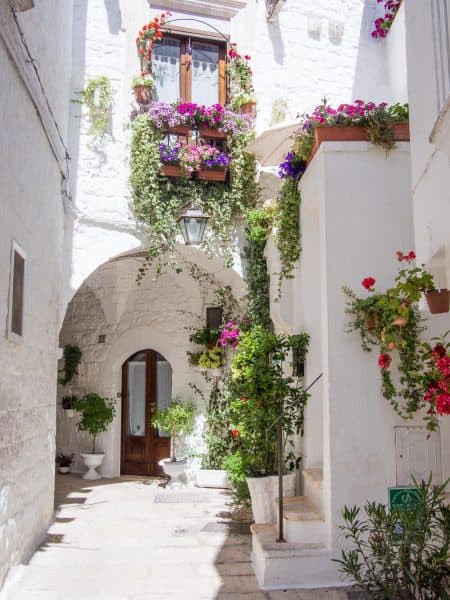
(400, 321)
(371, 322)
(438, 301)
(248, 108)
(143, 94)
(212, 174)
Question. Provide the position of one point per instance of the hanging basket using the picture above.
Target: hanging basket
(212, 174)
(143, 94)
(438, 301)
(249, 108)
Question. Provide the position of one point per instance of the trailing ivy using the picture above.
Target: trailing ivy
(97, 95)
(72, 358)
(259, 224)
(159, 200)
(287, 221)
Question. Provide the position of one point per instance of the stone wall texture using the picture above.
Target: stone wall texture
(32, 214)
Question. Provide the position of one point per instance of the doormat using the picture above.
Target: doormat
(181, 498)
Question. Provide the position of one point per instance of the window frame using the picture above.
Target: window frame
(184, 36)
(10, 334)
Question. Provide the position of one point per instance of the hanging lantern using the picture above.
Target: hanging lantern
(192, 224)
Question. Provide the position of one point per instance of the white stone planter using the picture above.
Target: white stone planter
(63, 470)
(263, 492)
(175, 470)
(69, 412)
(92, 461)
(212, 478)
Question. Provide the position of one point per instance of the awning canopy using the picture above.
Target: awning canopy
(273, 144)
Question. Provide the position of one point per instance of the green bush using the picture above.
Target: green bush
(400, 555)
(176, 419)
(97, 414)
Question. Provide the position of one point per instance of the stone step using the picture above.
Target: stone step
(290, 565)
(303, 521)
(312, 486)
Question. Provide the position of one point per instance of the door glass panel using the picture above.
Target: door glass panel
(163, 386)
(136, 395)
(166, 70)
(205, 73)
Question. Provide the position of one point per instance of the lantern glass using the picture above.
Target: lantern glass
(192, 224)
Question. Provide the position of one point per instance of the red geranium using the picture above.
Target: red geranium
(384, 360)
(368, 283)
(235, 432)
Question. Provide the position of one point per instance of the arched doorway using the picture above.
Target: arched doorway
(146, 386)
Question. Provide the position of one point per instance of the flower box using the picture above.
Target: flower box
(178, 130)
(401, 131)
(173, 171)
(212, 174)
(211, 133)
(438, 301)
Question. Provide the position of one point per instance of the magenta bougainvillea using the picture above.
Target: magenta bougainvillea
(383, 24)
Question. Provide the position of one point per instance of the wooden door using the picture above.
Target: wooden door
(146, 385)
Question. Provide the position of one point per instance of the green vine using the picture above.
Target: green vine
(259, 224)
(159, 200)
(287, 221)
(97, 95)
(72, 358)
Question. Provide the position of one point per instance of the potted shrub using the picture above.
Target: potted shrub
(64, 461)
(176, 419)
(261, 395)
(68, 405)
(97, 414)
(142, 86)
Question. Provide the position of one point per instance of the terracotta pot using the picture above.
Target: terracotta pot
(143, 94)
(179, 130)
(401, 131)
(249, 108)
(212, 134)
(172, 171)
(400, 321)
(438, 301)
(371, 322)
(212, 174)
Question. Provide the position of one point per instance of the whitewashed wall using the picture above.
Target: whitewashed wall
(31, 212)
(156, 315)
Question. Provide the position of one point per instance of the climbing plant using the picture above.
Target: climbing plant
(72, 358)
(97, 96)
(159, 200)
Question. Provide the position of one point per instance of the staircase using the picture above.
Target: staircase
(303, 561)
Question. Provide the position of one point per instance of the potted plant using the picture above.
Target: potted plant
(438, 300)
(261, 396)
(68, 405)
(206, 336)
(142, 86)
(214, 166)
(212, 360)
(241, 85)
(97, 414)
(170, 158)
(64, 461)
(176, 419)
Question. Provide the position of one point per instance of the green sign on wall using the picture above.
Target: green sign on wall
(403, 498)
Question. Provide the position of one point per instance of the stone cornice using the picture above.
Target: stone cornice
(214, 8)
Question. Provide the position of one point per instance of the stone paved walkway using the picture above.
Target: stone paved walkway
(130, 539)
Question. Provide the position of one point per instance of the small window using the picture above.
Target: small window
(214, 317)
(16, 293)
